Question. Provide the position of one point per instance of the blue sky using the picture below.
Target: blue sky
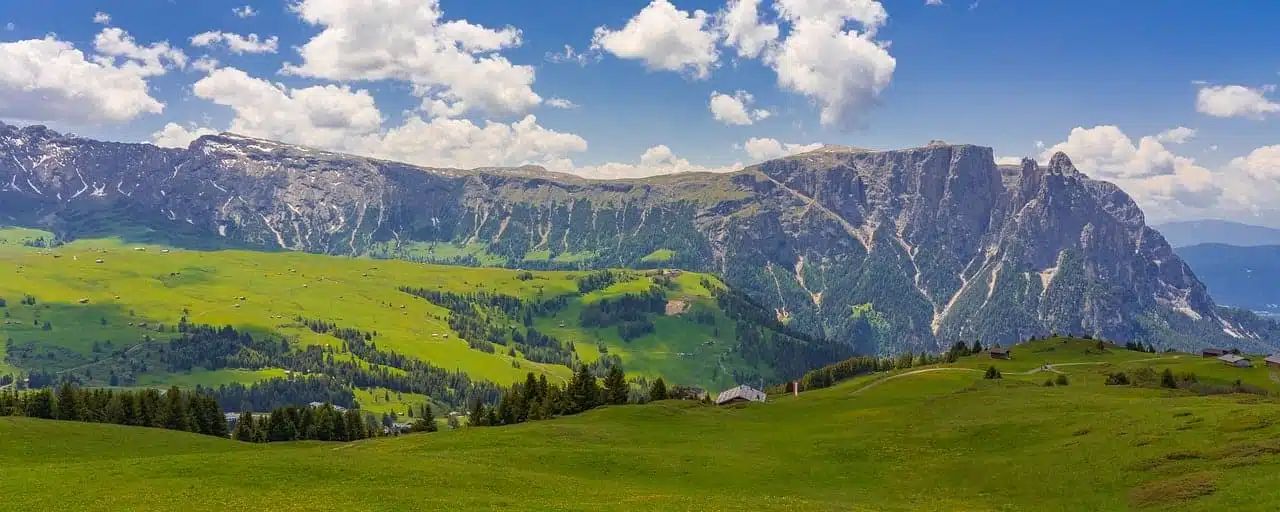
(1015, 75)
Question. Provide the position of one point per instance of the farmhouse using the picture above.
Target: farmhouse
(740, 394)
(1273, 360)
(1236, 361)
(1212, 352)
(1000, 353)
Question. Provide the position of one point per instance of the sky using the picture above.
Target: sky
(1173, 101)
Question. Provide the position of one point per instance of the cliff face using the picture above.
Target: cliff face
(892, 250)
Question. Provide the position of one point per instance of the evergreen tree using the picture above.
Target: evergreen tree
(244, 427)
(477, 416)
(584, 392)
(176, 416)
(280, 427)
(615, 386)
(1167, 379)
(992, 373)
(977, 347)
(40, 405)
(658, 391)
(69, 408)
(426, 420)
(115, 410)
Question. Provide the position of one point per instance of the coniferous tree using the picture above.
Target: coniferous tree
(39, 404)
(115, 410)
(477, 417)
(583, 391)
(244, 427)
(615, 386)
(69, 408)
(658, 391)
(426, 420)
(176, 415)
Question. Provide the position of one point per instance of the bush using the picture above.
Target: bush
(1118, 379)
(1061, 380)
(1167, 379)
(1048, 383)
(992, 373)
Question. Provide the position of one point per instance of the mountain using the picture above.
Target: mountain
(1238, 276)
(886, 250)
(1212, 231)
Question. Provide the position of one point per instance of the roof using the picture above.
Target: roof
(744, 392)
(1274, 358)
(1212, 350)
(999, 350)
(1232, 358)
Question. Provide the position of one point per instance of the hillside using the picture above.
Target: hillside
(1212, 231)
(1238, 276)
(887, 251)
(939, 440)
(94, 304)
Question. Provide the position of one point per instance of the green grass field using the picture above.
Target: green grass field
(138, 287)
(943, 440)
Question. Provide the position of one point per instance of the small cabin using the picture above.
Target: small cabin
(1212, 352)
(740, 394)
(1273, 361)
(84, 301)
(1000, 353)
(1236, 361)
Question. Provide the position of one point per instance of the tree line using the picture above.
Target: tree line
(173, 409)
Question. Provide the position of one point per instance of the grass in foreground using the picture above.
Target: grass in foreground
(944, 440)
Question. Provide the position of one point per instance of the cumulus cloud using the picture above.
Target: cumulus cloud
(656, 160)
(767, 149)
(342, 119)
(101, 18)
(664, 38)
(174, 135)
(1236, 101)
(244, 12)
(1179, 135)
(740, 26)
(48, 80)
(453, 65)
(1163, 183)
(1008, 160)
(934, 3)
(205, 63)
(733, 109)
(561, 103)
(237, 43)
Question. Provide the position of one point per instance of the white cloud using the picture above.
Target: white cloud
(654, 161)
(664, 38)
(768, 149)
(936, 3)
(740, 26)
(236, 42)
(843, 70)
(47, 80)
(1008, 160)
(205, 63)
(10, 26)
(731, 109)
(153, 60)
(341, 119)
(326, 116)
(561, 103)
(761, 114)
(1163, 183)
(101, 18)
(453, 64)
(244, 12)
(1262, 163)
(1236, 101)
(1179, 135)
(174, 135)
(569, 55)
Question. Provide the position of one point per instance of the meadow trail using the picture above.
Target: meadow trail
(913, 372)
(1047, 367)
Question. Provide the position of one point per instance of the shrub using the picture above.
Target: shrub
(1061, 380)
(1118, 379)
(1048, 383)
(992, 373)
(1167, 379)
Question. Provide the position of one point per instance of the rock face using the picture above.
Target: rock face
(893, 250)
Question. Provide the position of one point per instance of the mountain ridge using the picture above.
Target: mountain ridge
(888, 250)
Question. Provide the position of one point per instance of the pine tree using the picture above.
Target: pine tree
(615, 386)
(176, 417)
(658, 391)
(40, 405)
(426, 420)
(244, 427)
(477, 416)
(584, 393)
(115, 410)
(69, 408)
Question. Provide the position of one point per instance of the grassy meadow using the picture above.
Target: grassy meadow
(945, 440)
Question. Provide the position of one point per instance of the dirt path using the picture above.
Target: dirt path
(100, 361)
(1046, 368)
(912, 372)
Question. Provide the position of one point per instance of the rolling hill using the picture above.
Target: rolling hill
(942, 439)
(107, 313)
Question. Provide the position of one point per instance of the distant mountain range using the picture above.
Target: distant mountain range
(1244, 277)
(888, 251)
(1212, 231)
